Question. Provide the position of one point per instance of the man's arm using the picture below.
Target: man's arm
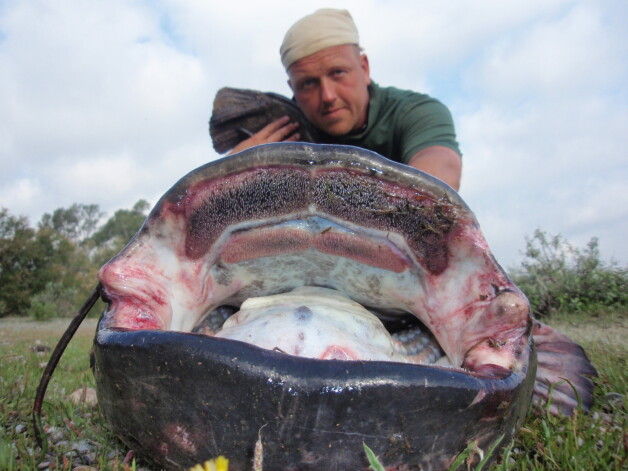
(440, 162)
(277, 131)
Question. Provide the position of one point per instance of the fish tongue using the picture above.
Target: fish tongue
(312, 322)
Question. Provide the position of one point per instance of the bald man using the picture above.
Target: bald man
(331, 81)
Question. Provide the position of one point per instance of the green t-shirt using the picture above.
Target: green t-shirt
(401, 123)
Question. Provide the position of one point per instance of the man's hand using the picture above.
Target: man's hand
(440, 162)
(277, 131)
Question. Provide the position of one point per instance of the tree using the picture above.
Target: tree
(29, 260)
(77, 222)
(34, 261)
(16, 262)
(50, 270)
(119, 230)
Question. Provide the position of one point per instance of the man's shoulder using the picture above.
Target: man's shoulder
(396, 100)
(409, 121)
(398, 94)
(400, 104)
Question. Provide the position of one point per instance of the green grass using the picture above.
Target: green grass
(20, 372)
(595, 441)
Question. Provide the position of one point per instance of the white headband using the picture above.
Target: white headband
(322, 29)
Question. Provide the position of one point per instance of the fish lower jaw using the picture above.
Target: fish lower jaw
(497, 358)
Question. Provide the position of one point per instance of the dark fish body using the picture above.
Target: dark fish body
(238, 114)
(180, 401)
(284, 216)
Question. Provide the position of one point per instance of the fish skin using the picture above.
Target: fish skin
(239, 113)
(314, 323)
(311, 405)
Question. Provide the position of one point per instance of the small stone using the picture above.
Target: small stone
(89, 458)
(84, 396)
(40, 348)
(20, 428)
(129, 457)
(55, 434)
(43, 465)
(84, 468)
(614, 401)
(82, 447)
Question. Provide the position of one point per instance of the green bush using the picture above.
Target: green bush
(54, 301)
(559, 277)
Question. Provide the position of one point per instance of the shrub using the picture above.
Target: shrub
(54, 301)
(557, 276)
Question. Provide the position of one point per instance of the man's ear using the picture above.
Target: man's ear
(290, 85)
(364, 65)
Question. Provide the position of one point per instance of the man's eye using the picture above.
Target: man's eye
(308, 83)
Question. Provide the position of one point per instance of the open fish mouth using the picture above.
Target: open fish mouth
(311, 298)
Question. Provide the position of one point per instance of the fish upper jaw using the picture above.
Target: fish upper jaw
(164, 290)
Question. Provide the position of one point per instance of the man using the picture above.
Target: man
(331, 82)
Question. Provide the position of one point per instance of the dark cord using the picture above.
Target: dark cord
(40, 437)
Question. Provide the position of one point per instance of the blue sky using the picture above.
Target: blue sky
(108, 102)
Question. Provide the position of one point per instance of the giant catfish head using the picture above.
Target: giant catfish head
(340, 271)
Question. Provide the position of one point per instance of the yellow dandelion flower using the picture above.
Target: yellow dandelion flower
(218, 464)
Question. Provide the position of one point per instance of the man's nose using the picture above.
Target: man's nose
(328, 91)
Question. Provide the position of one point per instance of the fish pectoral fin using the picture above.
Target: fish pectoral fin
(563, 371)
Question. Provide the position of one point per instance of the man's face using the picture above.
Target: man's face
(330, 87)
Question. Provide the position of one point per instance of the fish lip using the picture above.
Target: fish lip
(293, 403)
(257, 358)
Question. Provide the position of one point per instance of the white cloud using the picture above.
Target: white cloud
(555, 57)
(546, 138)
(95, 96)
(22, 196)
(108, 102)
